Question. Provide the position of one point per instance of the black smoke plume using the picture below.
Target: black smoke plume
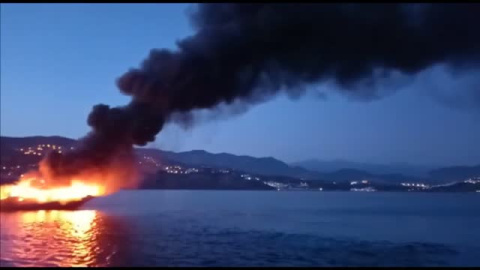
(249, 52)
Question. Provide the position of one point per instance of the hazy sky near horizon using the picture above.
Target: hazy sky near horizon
(58, 60)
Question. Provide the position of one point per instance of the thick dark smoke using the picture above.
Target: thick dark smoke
(249, 52)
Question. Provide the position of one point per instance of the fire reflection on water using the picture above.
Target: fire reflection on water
(56, 238)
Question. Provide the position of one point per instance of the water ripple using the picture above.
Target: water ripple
(194, 236)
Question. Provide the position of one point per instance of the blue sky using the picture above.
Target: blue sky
(58, 60)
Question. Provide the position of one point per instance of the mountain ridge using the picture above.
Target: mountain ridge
(327, 166)
(268, 166)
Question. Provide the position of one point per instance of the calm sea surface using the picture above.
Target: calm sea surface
(249, 228)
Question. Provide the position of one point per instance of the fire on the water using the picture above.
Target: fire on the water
(76, 179)
(39, 187)
(33, 189)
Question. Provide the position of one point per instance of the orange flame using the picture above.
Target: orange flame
(36, 190)
(44, 186)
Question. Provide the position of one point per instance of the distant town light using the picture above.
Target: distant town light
(367, 189)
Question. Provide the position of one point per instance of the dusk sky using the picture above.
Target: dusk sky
(57, 61)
